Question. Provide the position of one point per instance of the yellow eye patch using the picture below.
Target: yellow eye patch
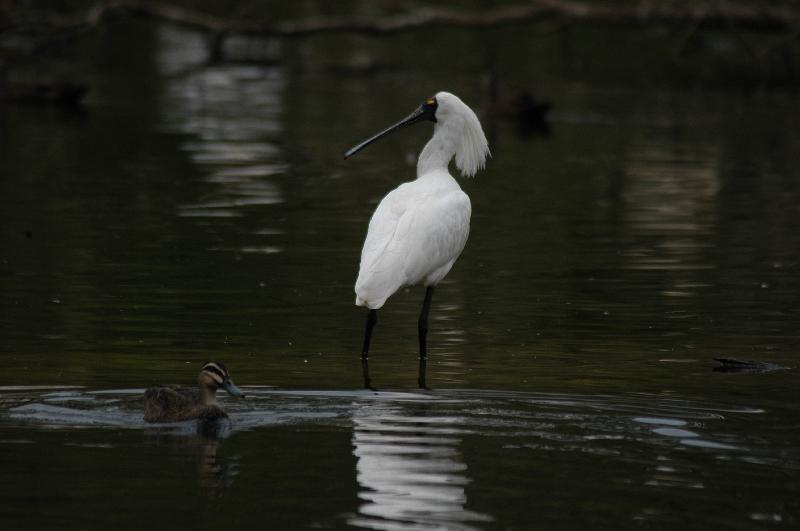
(431, 101)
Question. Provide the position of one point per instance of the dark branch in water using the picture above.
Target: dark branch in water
(736, 365)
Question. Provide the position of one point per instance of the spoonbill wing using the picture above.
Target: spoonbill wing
(414, 236)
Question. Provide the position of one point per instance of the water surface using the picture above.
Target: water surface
(451, 459)
(199, 211)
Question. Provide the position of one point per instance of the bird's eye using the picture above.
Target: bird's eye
(431, 101)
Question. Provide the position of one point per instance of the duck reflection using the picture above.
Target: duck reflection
(409, 470)
(202, 440)
(216, 473)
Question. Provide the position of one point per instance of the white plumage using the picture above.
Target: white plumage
(420, 228)
(414, 237)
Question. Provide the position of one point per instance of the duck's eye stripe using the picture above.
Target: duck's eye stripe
(219, 365)
(214, 370)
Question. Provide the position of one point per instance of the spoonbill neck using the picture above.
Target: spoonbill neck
(440, 149)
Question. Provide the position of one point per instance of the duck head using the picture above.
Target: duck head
(213, 376)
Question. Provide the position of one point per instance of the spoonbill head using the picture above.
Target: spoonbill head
(420, 228)
(456, 132)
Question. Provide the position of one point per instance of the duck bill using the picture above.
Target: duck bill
(229, 386)
(422, 113)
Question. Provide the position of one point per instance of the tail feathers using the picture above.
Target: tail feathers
(373, 290)
(371, 303)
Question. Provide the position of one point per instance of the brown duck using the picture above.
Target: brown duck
(172, 403)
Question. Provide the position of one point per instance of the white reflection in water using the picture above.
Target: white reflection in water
(409, 470)
(670, 197)
(231, 114)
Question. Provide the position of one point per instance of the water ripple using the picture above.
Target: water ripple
(411, 468)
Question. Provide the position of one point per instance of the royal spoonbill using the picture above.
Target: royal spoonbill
(419, 229)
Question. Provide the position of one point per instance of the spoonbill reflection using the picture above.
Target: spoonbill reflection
(410, 470)
(419, 229)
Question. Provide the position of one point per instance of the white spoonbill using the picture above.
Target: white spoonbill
(419, 229)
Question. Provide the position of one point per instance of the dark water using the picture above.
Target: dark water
(197, 212)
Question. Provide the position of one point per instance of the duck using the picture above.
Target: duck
(174, 403)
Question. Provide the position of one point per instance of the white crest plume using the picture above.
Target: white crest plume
(471, 146)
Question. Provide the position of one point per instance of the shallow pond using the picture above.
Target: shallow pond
(198, 212)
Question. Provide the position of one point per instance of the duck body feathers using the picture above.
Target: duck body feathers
(174, 403)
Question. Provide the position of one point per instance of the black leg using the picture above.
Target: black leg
(372, 318)
(423, 365)
(423, 336)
